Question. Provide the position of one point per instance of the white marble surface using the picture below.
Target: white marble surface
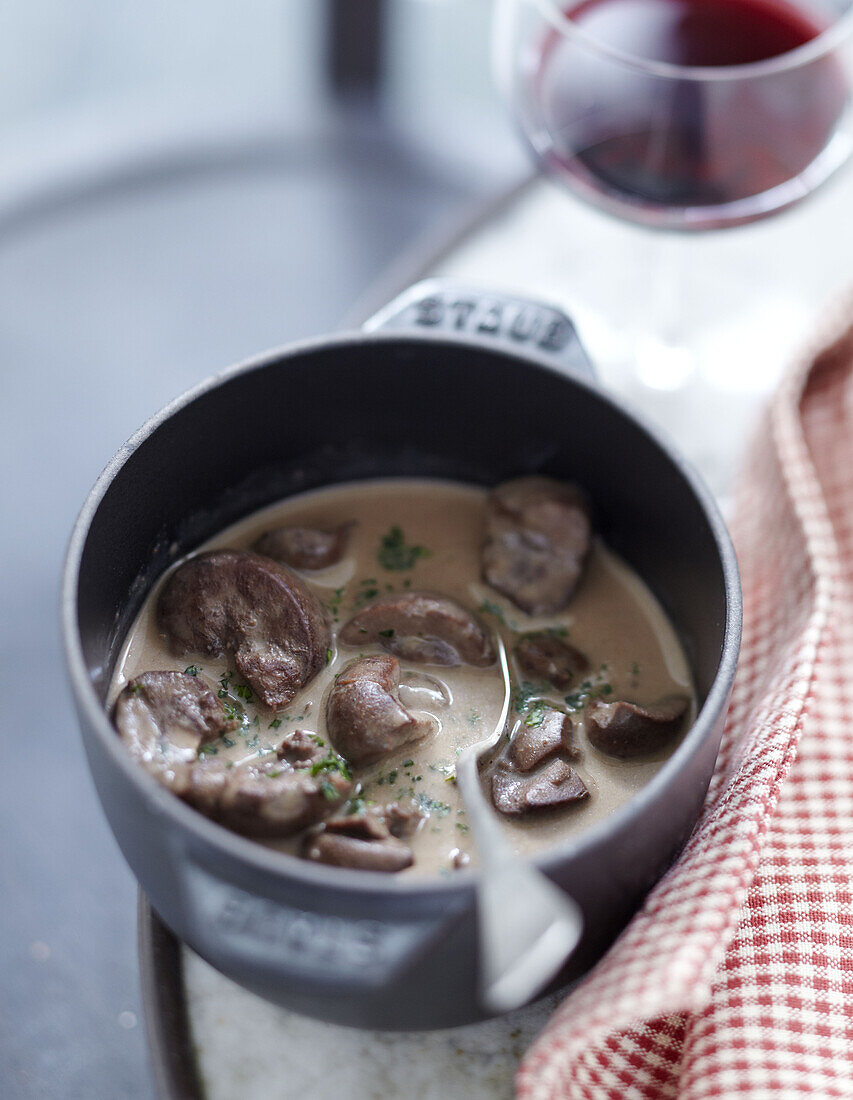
(745, 299)
(249, 1049)
(738, 303)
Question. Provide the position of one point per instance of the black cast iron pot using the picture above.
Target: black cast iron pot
(449, 383)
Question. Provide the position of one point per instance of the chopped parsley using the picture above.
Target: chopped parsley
(331, 763)
(395, 556)
(274, 724)
(233, 711)
(192, 670)
(329, 655)
(333, 604)
(577, 700)
(356, 805)
(524, 692)
(432, 805)
(243, 691)
(386, 633)
(487, 607)
(536, 711)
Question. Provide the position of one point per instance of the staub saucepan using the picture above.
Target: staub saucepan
(444, 382)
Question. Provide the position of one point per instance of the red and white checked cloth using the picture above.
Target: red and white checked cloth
(736, 977)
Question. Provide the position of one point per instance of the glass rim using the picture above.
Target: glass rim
(816, 47)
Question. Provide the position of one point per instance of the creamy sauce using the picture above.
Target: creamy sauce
(613, 619)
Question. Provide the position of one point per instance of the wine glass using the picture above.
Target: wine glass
(682, 114)
(679, 115)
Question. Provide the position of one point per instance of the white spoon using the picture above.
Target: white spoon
(528, 926)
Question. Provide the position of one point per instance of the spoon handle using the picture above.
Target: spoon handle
(528, 926)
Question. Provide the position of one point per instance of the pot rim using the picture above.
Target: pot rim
(269, 862)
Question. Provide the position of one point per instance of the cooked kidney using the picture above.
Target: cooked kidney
(254, 608)
(323, 710)
(537, 540)
(424, 627)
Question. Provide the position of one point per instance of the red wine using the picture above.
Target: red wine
(647, 136)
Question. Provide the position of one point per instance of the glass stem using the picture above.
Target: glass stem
(663, 356)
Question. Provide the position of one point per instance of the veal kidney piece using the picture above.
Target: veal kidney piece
(537, 540)
(424, 627)
(254, 608)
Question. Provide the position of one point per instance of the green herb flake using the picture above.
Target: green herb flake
(487, 607)
(208, 750)
(274, 724)
(331, 763)
(588, 691)
(329, 655)
(635, 669)
(432, 805)
(524, 692)
(228, 743)
(329, 791)
(244, 692)
(536, 714)
(333, 604)
(233, 711)
(395, 556)
(192, 670)
(408, 763)
(386, 633)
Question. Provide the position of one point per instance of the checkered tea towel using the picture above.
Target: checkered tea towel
(736, 977)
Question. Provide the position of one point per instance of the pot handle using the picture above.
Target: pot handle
(290, 939)
(488, 316)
